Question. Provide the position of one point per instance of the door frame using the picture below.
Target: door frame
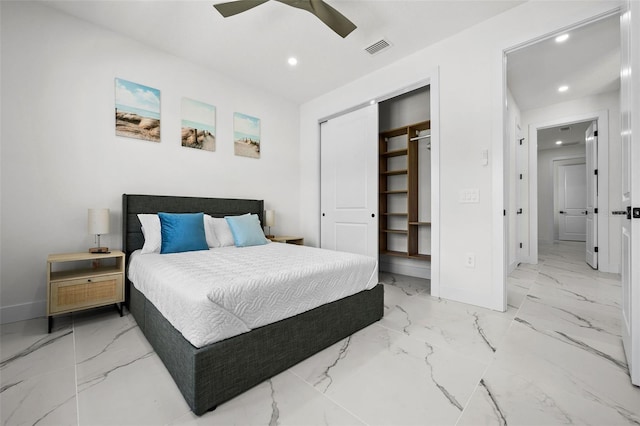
(432, 79)
(602, 117)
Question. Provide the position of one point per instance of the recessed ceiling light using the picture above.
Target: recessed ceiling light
(558, 142)
(563, 89)
(292, 61)
(562, 38)
(372, 102)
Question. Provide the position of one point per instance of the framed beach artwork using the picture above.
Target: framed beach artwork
(246, 135)
(137, 111)
(198, 125)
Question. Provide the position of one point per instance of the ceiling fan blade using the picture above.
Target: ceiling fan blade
(332, 18)
(327, 14)
(234, 7)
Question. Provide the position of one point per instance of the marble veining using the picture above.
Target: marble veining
(39, 344)
(578, 344)
(494, 403)
(110, 343)
(481, 332)
(555, 357)
(91, 382)
(275, 413)
(325, 376)
(452, 399)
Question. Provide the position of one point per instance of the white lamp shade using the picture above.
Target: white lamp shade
(98, 221)
(269, 218)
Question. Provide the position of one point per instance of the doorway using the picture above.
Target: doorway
(546, 92)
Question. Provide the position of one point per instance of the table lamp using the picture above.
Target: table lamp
(98, 225)
(269, 221)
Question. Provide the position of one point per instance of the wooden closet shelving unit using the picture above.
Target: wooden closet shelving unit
(410, 151)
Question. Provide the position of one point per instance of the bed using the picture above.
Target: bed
(212, 374)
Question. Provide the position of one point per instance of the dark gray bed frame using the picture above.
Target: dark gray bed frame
(215, 373)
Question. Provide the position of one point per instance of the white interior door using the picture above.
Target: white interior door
(572, 202)
(630, 131)
(591, 158)
(349, 182)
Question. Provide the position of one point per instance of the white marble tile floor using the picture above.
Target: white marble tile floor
(555, 357)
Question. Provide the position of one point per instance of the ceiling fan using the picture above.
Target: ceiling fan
(327, 14)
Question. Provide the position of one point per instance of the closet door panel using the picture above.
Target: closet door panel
(349, 182)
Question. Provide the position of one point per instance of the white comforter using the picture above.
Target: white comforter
(219, 293)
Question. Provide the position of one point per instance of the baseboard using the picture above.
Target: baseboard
(403, 267)
(512, 267)
(23, 311)
(611, 268)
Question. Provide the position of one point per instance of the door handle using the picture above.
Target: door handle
(586, 212)
(561, 212)
(519, 211)
(619, 212)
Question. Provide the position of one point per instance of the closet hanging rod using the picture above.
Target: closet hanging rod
(417, 138)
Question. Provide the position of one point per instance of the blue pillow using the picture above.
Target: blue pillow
(182, 232)
(246, 230)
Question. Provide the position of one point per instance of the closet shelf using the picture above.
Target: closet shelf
(394, 153)
(394, 172)
(420, 223)
(395, 214)
(394, 253)
(395, 231)
(400, 191)
(404, 254)
(419, 256)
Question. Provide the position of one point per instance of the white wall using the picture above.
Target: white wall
(609, 102)
(60, 154)
(471, 119)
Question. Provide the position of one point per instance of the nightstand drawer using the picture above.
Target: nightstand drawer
(72, 295)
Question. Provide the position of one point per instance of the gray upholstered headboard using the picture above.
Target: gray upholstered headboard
(132, 238)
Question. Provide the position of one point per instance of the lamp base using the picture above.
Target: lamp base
(99, 250)
(269, 236)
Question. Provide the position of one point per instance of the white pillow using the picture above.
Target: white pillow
(152, 233)
(223, 232)
(210, 232)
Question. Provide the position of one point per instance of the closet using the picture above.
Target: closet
(404, 184)
(399, 186)
(375, 183)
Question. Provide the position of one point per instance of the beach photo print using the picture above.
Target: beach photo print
(246, 135)
(137, 111)
(198, 125)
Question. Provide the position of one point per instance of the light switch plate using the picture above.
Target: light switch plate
(471, 195)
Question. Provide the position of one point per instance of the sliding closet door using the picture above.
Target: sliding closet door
(349, 182)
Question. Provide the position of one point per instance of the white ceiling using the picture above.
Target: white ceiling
(588, 62)
(254, 46)
(570, 135)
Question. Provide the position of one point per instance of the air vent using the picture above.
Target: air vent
(565, 129)
(378, 47)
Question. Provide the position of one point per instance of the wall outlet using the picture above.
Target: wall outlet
(470, 260)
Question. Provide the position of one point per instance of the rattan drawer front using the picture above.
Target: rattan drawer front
(73, 295)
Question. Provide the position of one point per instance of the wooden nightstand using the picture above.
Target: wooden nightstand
(288, 239)
(88, 280)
